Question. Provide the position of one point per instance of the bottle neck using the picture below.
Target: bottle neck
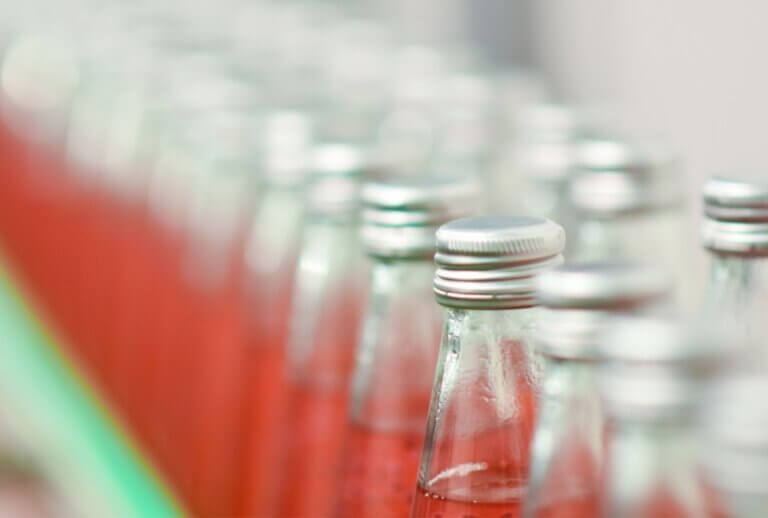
(652, 470)
(567, 449)
(483, 407)
(274, 235)
(737, 279)
(737, 295)
(398, 347)
(327, 299)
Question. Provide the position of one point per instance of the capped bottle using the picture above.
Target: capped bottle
(735, 232)
(397, 352)
(271, 250)
(651, 373)
(567, 450)
(483, 407)
(734, 449)
(622, 188)
(329, 291)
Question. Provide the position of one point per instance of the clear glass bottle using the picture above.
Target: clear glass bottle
(475, 456)
(328, 297)
(650, 375)
(735, 232)
(734, 451)
(534, 169)
(396, 356)
(271, 251)
(622, 188)
(567, 450)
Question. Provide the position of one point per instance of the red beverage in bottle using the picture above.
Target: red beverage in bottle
(314, 434)
(481, 491)
(434, 506)
(264, 395)
(379, 475)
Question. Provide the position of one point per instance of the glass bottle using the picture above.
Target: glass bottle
(327, 310)
(651, 372)
(480, 422)
(270, 261)
(398, 345)
(567, 450)
(543, 159)
(734, 451)
(622, 188)
(735, 232)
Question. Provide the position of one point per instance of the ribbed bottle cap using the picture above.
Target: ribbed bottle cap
(287, 139)
(491, 261)
(652, 368)
(736, 216)
(333, 186)
(614, 176)
(400, 217)
(734, 421)
(584, 296)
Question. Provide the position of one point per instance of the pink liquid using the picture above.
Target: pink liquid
(315, 413)
(315, 442)
(431, 505)
(587, 506)
(264, 397)
(573, 485)
(380, 472)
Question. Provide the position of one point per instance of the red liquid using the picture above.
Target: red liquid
(573, 485)
(265, 396)
(427, 505)
(314, 444)
(380, 472)
(587, 506)
(316, 413)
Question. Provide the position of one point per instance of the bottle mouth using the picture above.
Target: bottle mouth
(486, 282)
(748, 238)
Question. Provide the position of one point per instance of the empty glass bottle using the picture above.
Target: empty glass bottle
(480, 422)
(327, 300)
(398, 347)
(735, 231)
(649, 378)
(734, 449)
(567, 450)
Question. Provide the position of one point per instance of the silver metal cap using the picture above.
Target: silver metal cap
(583, 297)
(333, 186)
(491, 261)
(400, 217)
(734, 423)
(615, 176)
(736, 216)
(652, 368)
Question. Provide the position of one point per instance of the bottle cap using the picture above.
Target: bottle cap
(615, 176)
(736, 216)
(491, 261)
(582, 298)
(400, 217)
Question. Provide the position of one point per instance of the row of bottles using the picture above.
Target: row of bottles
(196, 220)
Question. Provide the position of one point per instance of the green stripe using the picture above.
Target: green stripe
(86, 453)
